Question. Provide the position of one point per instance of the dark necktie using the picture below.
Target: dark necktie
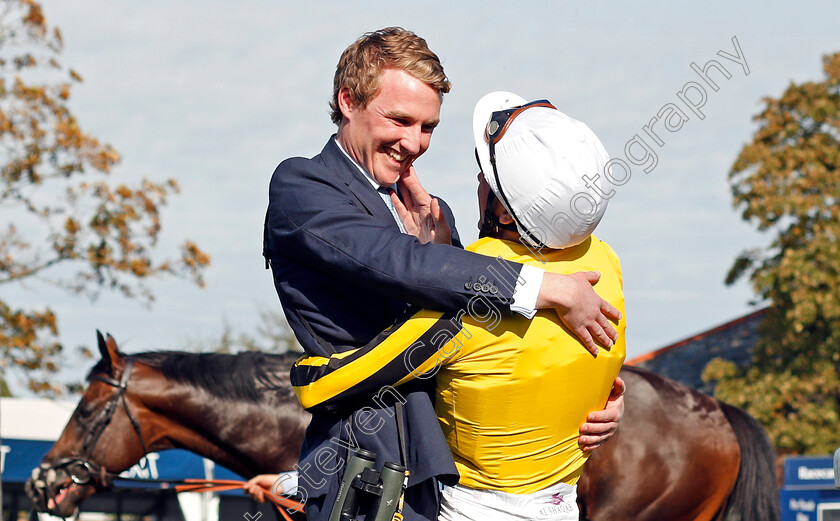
(385, 194)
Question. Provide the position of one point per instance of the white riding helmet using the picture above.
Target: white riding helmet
(547, 168)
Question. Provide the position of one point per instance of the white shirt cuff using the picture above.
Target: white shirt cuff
(527, 290)
(288, 482)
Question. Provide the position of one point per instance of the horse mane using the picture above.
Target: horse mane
(248, 376)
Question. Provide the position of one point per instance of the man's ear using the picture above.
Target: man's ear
(345, 101)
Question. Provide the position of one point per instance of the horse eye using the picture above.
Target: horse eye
(84, 412)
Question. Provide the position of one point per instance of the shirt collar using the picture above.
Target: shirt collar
(370, 179)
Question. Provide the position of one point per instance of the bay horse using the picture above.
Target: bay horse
(678, 455)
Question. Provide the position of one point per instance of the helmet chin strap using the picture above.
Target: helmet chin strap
(490, 224)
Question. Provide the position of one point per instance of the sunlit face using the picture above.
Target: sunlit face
(394, 129)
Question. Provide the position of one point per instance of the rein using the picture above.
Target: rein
(282, 502)
(219, 485)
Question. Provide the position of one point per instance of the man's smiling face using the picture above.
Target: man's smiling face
(394, 129)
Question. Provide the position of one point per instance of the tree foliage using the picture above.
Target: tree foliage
(63, 220)
(787, 182)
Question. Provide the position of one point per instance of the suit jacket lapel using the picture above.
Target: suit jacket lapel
(358, 185)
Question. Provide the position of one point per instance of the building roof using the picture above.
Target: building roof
(685, 360)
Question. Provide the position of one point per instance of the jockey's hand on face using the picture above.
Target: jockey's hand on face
(419, 212)
(601, 425)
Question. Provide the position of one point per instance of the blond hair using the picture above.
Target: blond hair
(361, 64)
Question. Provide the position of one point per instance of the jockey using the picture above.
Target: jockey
(511, 393)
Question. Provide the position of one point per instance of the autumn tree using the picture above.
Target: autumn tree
(787, 182)
(63, 220)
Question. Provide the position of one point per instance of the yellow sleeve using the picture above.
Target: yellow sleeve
(414, 348)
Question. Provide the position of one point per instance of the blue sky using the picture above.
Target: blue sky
(216, 94)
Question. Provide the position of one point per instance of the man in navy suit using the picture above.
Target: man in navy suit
(352, 239)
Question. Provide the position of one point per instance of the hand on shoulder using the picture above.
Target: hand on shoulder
(585, 313)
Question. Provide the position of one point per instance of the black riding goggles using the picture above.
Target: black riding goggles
(501, 120)
(497, 126)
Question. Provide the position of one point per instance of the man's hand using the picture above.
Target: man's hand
(420, 213)
(581, 309)
(601, 425)
(258, 486)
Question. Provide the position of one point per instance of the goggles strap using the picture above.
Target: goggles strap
(490, 223)
(499, 123)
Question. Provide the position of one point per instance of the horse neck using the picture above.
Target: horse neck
(245, 436)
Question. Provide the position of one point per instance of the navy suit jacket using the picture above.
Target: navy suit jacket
(344, 272)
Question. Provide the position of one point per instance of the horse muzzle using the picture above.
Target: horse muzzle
(58, 490)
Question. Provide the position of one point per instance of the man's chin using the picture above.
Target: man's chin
(389, 171)
(387, 178)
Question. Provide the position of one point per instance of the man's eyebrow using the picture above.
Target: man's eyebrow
(402, 115)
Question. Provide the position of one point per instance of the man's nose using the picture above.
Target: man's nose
(412, 139)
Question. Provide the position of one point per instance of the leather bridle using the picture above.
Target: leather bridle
(80, 468)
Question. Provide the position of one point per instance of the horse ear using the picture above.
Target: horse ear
(117, 361)
(103, 350)
(109, 351)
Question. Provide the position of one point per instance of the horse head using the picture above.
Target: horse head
(238, 410)
(92, 447)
